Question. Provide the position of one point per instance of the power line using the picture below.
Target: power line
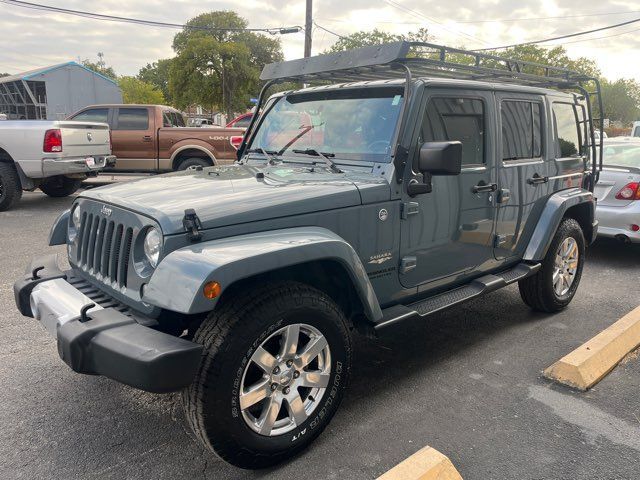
(604, 36)
(561, 37)
(502, 20)
(399, 6)
(137, 21)
(328, 31)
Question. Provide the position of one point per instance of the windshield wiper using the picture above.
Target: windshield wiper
(327, 158)
(267, 153)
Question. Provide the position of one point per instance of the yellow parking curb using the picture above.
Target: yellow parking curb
(425, 464)
(589, 363)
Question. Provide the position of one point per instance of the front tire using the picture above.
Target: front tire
(275, 367)
(60, 186)
(10, 188)
(554, 286)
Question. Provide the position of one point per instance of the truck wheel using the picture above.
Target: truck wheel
(193, 162)
(10, 188)
(60, 186)
(275, 366)
(553, 287)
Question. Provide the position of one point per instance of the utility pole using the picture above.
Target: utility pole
(308, 26)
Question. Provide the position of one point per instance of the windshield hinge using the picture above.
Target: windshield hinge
(192, 225)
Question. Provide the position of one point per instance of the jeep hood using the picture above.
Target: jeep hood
(236, 194)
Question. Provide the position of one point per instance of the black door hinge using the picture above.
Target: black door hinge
(192, 225)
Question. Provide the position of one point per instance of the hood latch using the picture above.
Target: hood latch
(192, 224)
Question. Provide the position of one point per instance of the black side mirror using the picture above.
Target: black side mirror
(436, 158)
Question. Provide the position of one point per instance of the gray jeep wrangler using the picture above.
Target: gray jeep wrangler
(385, 193)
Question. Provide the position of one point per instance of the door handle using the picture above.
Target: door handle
(146, 138)
(485, 187)
(537, 179)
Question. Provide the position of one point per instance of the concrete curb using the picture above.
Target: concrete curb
(425, 464)
(593, 360)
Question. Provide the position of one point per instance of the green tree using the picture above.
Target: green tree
(157, 74)
(135, 90)
(376, 37)
(219, 67)
(100, 66)
(621, 100)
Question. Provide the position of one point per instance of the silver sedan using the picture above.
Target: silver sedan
(618, 190)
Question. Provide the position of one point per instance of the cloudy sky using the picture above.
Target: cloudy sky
(32, 39)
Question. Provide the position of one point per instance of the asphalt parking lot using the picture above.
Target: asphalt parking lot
(468, 383)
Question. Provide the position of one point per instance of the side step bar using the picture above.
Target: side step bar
(437, 303)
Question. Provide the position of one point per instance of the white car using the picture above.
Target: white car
(54, 156)
(618, 190)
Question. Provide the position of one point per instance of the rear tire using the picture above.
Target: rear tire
(554, 286)
(194, 162)
(10, 187)
(60, 186)
(254, 326)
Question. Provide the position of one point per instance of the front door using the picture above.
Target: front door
(448, 234)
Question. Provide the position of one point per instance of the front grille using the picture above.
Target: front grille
(104, 248)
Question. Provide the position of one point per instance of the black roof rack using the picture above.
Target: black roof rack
(420, 59)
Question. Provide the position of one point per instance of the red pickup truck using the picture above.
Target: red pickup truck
(153, 138)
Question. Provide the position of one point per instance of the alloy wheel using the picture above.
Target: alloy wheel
(285, 379)
(565, 266)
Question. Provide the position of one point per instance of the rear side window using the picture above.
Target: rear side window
(566, 128)
(462, 119)
(133, 119)
(93, 115)
(521, 130)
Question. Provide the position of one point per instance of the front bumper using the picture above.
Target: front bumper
(617, 221)
(66, 166)
(104, 341)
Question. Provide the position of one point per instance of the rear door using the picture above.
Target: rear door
(134, 138)
(522, 168)
(448, 232)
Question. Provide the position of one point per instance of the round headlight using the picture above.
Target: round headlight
(75, 218)
(152, 246)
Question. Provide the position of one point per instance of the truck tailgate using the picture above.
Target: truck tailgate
(84, 139)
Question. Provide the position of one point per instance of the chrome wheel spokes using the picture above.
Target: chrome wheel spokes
(565, 266)
(285, 379)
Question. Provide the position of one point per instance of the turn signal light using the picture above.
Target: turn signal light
(631, 191)
(52, 141)
(211, 290)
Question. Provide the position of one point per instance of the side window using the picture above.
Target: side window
(133, 119)
(243, 122)
(450, 119)
(179, 120)
(93, 115)
(565, 124)
(521, 130)
(167, 120)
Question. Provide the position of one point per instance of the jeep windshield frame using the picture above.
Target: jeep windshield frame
(406, 60)
(355, 123)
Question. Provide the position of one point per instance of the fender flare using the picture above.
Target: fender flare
(178, 281)
(193, 146)
(552, 214)
(58, 232)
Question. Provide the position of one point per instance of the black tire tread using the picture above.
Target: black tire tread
(212, 334)
(12, 186)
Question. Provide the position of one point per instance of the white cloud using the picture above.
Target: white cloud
(32, 38)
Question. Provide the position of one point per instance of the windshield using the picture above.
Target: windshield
(622, 155)
(350, 124)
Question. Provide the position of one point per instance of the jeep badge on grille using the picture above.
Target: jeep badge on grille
(106, 211)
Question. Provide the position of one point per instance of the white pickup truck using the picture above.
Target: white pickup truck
(54, 156)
